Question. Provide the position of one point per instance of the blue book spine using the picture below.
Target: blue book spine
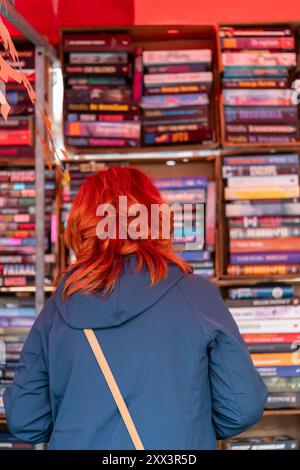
(180, 183)
(276, 292)
(242, 71)
(196, 255)
(280, 371)
(262, 258)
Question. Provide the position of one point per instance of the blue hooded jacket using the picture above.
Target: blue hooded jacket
(174, 349)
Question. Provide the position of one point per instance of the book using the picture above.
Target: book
(280, 371)
(273, 338)
(282, 384)
(265, 258)
(269, 326)
(261, 58)
(177, 56)
(261, 114)
(264, 270)
(274, 348)
(263, 443)
(271, 292)
(263, 244)
(151, 79)
(259, 42)
(282, 400)
(276, 359)
(266, 311)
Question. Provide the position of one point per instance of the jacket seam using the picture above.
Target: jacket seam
(190, 401)
(233, 389)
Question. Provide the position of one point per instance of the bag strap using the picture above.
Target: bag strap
(113, 386)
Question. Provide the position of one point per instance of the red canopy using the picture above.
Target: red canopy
(49, 16)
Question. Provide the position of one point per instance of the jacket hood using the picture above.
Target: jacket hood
(131, 296)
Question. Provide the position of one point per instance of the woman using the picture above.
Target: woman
(172, 345)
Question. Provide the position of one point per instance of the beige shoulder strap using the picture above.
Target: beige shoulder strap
(113, 386)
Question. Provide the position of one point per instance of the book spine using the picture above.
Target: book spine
(102, 142)
(178, 89)
(98, 58)
(180, 183)
(162, 78)
(272, 338)
(177, 68)
(138, 75)
(260, 129)
(273, 348)
(102, 107)
(210, 216)
(267, 302)
(279, 232)
(269, 326)
(265, 258)
(277, 292)
(287, 59)
(264, 245)
(182, 112)
(253, 83)
(172, 101)
(95, 42)
(280, 371)
(248, 114)
(275, 359)
(265, 312)
(262, 181)
(173, 127)
(263, 270)
(288, 159)
(177, 137)
(177, 56)
(277, 400)
(240, 97)
(16, 137)
(282, 384)
(256, 71)
(283, 43)
(258, 170)
(262, 193)
(248, 210)
(102, 129)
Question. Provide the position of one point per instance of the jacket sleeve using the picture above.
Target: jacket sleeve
(238, 392)
(26, 400)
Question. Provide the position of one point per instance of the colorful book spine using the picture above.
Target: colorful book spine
(264, 270)
(177, 56)
(275, 292)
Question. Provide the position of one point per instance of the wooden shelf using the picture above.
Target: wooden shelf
(2, 419)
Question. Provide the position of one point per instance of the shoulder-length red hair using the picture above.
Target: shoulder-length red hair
(99, 262)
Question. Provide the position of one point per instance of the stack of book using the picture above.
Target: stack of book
(17, 133)
(260, 105)
(17, 314)
(262, 443)
(17, 226)
(98, 91)
(176, 98)
(263, 214)
(193, 201)
(268, 318)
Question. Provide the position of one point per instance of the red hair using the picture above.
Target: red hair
(99, 262)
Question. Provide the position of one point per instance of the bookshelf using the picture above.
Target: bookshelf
(190, 160)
